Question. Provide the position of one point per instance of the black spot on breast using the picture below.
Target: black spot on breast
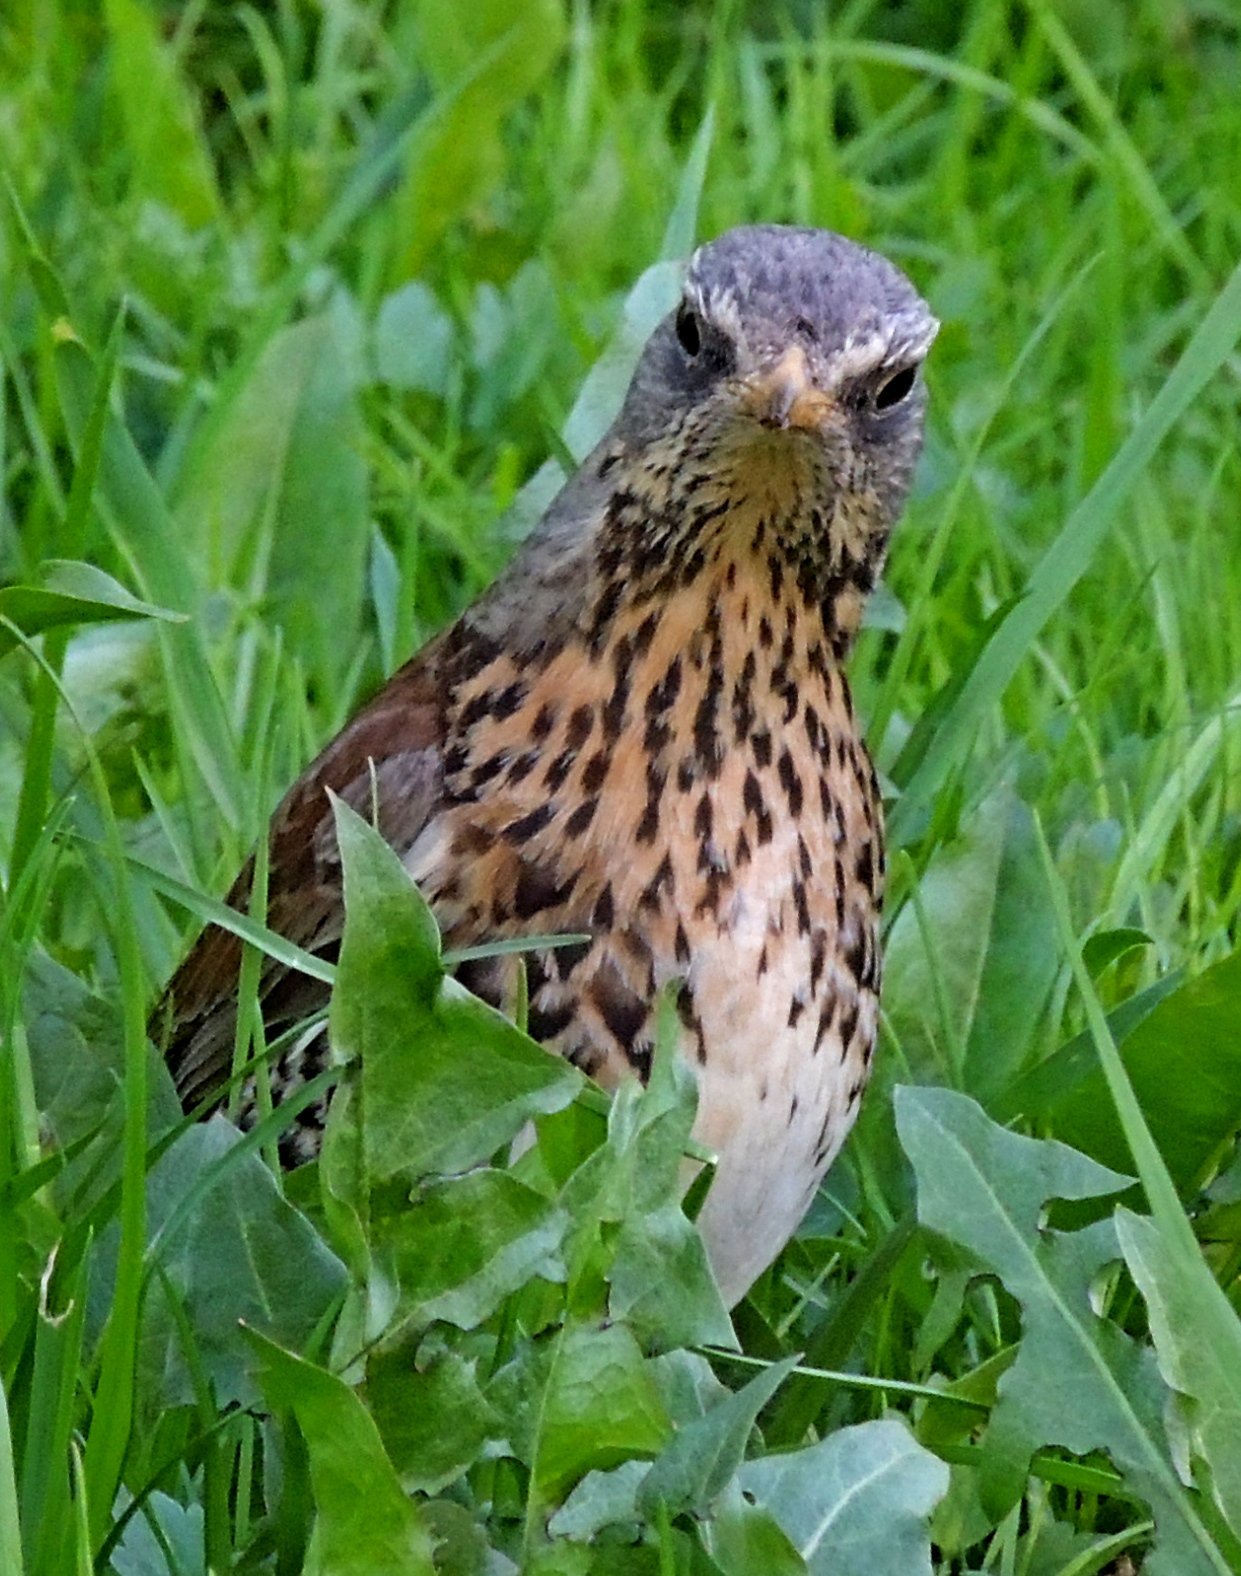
(581, 817)
(826, 1014)
(506, 702)
(790, 782)
(803, 908)
(660, 882)
(568, 957)
(623, 1012)
(545, 720)
(491, 767)
(578, 731)
(818, 956)
(681, 944)
(605, 910)
(559, 769)
(595, 771)
(475, 709)
(523, 766)
(796, 1008)
(537, 889)
(664, 692)
(528, 826)
(545, 1023)
(854, 956)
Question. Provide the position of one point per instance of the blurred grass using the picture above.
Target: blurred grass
(294, 299)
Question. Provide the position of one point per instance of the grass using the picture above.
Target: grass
(298, 298)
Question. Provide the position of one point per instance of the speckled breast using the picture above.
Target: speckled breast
(694, 795)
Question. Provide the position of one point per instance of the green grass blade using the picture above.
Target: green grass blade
(11, 1562)
(1069, 556)
(1197, 1331)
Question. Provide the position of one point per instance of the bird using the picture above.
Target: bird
(643, 734)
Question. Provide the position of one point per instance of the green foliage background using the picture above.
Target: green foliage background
(296, 301)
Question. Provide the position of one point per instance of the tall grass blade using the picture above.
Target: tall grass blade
(1069, 556)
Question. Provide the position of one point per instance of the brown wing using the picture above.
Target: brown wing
(386, 764)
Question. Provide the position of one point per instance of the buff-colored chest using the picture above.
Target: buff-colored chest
(694, 797)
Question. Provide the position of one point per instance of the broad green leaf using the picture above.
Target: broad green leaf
(661, 1283)
(582, 1401)
(434, 1418)
(744, 1538)
(243, 1253)
(140, 1553)
(705, 1454)
(167, 151)
(970, 961)
(445, 1080)
(601, 1499)
(1077, 1382)
(69, 594)
(855, 1504)
(414, 338)
(1184, 1062)
(365, 1525)
(1052, 1083)
(1198, 1338)
(493, 55)
(281, 496)
(77, 1057)
(460, 1246)
(1106, 946)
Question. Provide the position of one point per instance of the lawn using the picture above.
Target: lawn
(304, 310)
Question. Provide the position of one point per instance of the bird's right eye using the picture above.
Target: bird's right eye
(689, 329)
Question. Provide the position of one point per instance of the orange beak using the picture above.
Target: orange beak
(785, 394)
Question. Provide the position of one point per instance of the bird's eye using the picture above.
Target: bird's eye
(689, 329)
(897, 388)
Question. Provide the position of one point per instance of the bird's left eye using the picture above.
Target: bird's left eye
(689, 329)
(897, 388)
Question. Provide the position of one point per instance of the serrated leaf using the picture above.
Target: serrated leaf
(434, 1418)
(582, 1401)
(459, 1247)
(365, 1525)
(241, 1253)
(1198, 1338)
(743, 1538)
(705, 1454)
(139, 1553)
(857, 1503)
(1077, 1382)
(445, 1080)
(601, 1499)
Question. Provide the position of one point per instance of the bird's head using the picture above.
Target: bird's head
(792, 353)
